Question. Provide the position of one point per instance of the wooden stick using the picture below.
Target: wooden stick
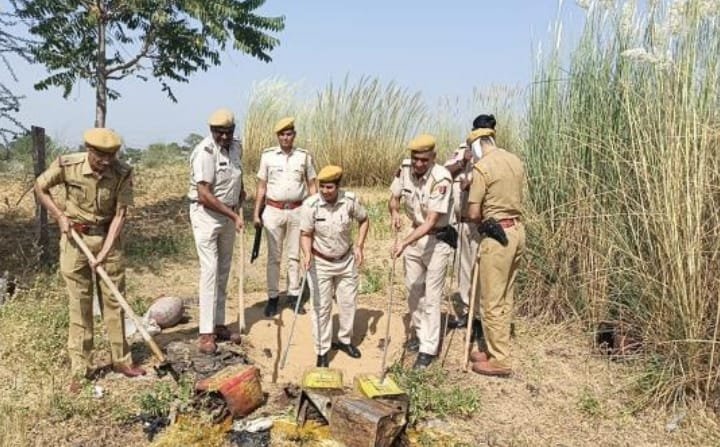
(292, 328)
(121, 300)
(471, 315)
(389, 312)
(241, 283)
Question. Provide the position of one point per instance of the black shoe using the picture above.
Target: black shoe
(271, 308)
(412, 345)
(348, 349)
(292, 301)
(423, 361)
(322, 361)
(459, 322)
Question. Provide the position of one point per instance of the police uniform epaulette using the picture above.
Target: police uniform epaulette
(406, 163)
(208, 149)
(71, 159)
(270, 149)
(350, 195)
(299, 149)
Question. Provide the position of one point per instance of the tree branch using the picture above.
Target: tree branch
(144, 51)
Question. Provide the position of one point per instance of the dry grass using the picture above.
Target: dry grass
(562, 393)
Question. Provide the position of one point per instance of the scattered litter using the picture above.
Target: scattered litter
(185, 358)
(675, 422)
(253, 426)
(247, 439)
(149, 324)
(152, 425)
(98, 392)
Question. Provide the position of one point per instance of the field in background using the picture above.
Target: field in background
(564, 391)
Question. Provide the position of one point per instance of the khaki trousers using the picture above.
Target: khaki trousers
(214, 240)
(328, 280)
(78, 275)
(282, 227)
(469, 240)
(426, 262)
(497, 267)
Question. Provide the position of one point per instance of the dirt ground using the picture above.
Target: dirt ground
(563, 393)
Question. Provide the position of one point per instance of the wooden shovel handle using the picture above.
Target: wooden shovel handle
(121, 300)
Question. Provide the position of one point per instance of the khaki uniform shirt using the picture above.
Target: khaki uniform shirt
(431, 192)
(89, 199)
(286, 175)
(331, 223)
(497, 185)
(221, 169)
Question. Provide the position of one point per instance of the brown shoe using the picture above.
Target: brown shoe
(129, 370)
(488, 369)
(206, 343)
(478, 356)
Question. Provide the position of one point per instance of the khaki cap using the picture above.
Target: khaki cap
(103, 140)
(422, 143)
(479, 133)
(222, 118)
(284, 124)
(329, 173)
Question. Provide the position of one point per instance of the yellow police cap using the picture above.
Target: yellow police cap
(102, 139)
(422, 143)
(222, 118)
(479, 133)
(329, 173)
(284, 124)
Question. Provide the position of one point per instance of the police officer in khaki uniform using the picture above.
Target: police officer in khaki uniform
(331, 260)
(216, 195)
(460, 166)
(496, 192)
(425, 188)
(286, 176)
(98, 191)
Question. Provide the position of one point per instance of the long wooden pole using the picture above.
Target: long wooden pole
(121, 300)
(241, 283)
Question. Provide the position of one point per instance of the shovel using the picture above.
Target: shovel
(377, 386)
(164, 366)
(292, 328)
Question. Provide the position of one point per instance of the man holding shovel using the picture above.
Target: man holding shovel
(216, 196)
(98, 191)
(424, 187)
(331, 260)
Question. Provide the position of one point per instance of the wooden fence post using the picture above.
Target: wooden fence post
(41, 217)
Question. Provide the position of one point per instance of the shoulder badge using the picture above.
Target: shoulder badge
(406, 163)
(208, 149)
(71, 159)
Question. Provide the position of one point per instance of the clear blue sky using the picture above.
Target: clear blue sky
(439, 48)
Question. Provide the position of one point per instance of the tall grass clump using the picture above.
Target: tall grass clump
(364, 126)
(623, 155)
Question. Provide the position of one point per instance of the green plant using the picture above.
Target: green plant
(432, 395)
(588, 403)
(158, 400)
(371, 280)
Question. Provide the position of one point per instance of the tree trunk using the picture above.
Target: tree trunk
(100, 72)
